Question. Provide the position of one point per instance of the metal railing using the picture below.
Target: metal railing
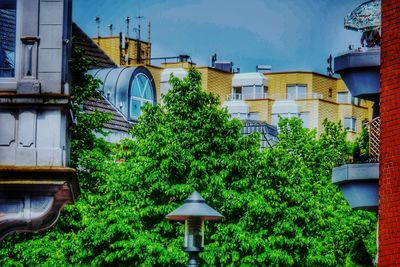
(238, 97)
(275, 96)
(353, 49)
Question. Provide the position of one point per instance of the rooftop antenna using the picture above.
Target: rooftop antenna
(149, 31)
(97, 19)
(329, 69)
(138, 42)
(127, 20)
(110, 27)
(149, 44)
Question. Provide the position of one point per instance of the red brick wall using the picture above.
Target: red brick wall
(389, 181)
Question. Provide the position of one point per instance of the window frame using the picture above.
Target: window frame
(257, 92)
(353, 123)
(10, 83)
(141, 99)
(350, 99)
(305, 114)
(297, 91)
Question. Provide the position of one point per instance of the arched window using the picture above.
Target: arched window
(142, 92)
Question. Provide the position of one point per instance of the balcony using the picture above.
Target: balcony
(359, 69)
(274, 96)
(359, 182)
(240, 97)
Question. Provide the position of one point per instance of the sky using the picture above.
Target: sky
(286, 34)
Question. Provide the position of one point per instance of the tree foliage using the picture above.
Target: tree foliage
(280, 206)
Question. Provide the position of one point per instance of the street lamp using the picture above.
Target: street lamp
(194, 212)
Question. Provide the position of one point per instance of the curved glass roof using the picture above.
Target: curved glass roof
(128, 89)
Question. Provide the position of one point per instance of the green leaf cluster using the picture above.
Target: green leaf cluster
(280, 206)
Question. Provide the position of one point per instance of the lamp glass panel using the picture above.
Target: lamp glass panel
(194, 233)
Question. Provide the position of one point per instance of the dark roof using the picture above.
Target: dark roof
(92, 50)
(118, 121)
(100, 60)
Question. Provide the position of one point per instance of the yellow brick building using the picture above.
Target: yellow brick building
(125, 51)
(311, 96)
(318, 97)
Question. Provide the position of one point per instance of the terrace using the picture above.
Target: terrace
(273, 96)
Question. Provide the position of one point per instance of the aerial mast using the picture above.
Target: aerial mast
(110, 27)
(149, 44)
(127, 20)
(97, 19)
(139, 49)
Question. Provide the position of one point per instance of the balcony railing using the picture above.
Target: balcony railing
(251, 96)
(374, 132)
(360, 50)
(275, 96)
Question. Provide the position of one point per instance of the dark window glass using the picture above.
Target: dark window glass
(7, 37)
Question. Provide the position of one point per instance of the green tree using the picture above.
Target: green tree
(280, 206)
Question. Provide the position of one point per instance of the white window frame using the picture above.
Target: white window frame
(296, 86)
(238, 92)
(10, 83)
(305, 114)
(353, 124)
(141, 99)
(350, 99)
(288, 115)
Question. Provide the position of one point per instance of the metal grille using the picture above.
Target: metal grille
(374, 131)
(268, 132)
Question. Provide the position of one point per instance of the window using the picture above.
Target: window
(248, 92)
(347, 98)
(350, 124)
(356, 101)
(237, 93)
(251, 91)
(296, 91)
(305, 118)
(142, 92)
(276, 116)
(330, 92)
(343, 98)
(253, 116)
(7, 38)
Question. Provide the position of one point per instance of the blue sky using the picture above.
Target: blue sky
(287, 34)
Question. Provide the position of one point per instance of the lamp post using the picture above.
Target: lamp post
(194, 212)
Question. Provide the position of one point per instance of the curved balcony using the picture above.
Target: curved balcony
(359, 184)
(359, 70)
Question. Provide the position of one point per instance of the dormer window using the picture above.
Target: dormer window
(8, 14)
(142, 92)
